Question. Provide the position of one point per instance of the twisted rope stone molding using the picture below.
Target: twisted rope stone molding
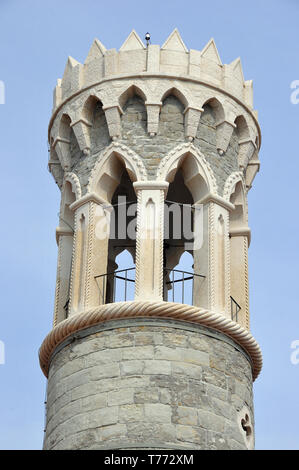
(133, 309)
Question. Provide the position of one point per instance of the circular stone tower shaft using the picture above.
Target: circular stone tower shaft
(145, 143)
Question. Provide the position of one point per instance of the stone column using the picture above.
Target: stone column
(64, 238)
(149, 239)
(90, 252)
(212, 259)
(239, 241)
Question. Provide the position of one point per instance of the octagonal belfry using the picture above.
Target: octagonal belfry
(154, 150)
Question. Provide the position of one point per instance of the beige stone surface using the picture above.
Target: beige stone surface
(132, 121)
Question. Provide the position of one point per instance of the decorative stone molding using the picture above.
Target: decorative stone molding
(81, 129)
(134, 309)
(62, 148)
(74, 180)
(153, 112)
(63, 232)
(230, 184)
(217, 200)
(246, 151)
(172, 160)
(90, 197)
(251, 171)
(192, 118)
(224, 131)
(149, 239)
(245, 423)
(113, 113)
(154, 86)
(132, 161)
(241, 232)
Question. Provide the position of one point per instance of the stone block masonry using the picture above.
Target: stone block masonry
(150, 384)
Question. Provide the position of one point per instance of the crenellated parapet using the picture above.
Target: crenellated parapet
(172, 59)
(196, 79)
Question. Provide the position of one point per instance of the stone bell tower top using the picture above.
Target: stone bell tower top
(166, 128)
(154, 72)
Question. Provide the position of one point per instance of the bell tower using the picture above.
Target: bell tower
(154, 150)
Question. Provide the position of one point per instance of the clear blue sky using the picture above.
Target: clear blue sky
(36, 38)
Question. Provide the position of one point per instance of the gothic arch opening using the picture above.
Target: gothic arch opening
(171, 123)
(180, 224)
(94, 114)
(134, 118)
(122, 242)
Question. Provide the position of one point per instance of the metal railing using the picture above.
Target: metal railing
(181, 278)
(118, 286)
(234, 309)
(109, 286)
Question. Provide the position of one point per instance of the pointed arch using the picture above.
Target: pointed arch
(65, 127)
(198, 174)
(217, 107)
(242, 128)
(238, 217)
(75, 183)
(129, 92)
(88, 108)
(180, 94)
(107, 172)
(230, 184)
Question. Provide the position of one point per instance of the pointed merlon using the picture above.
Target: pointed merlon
(174, 42)
(97, 50)
(237, 69)
(71, 63)
(210, 52)
(132, 43)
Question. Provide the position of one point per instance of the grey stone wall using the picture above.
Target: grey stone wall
(206, 142)
(170, 133)
(152, 149)
(148, 384)
(82, 165)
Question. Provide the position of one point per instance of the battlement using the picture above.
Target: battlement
(173, 59)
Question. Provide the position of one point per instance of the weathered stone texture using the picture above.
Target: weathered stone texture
(170, 133)
(205, 140)
(82, 165)
(149, 385)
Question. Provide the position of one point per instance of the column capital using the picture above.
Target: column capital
(210, 197)
(63, 231)
(90, 197)
(151, 186)
(241, 232)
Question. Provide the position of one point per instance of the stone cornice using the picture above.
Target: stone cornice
(135, 309)
(90, 197)
(185, 78)
(115, 105)
(62, 231)
(85, 121)
(241, 232)
(217, 200)
(200, 110)
(154, 185)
